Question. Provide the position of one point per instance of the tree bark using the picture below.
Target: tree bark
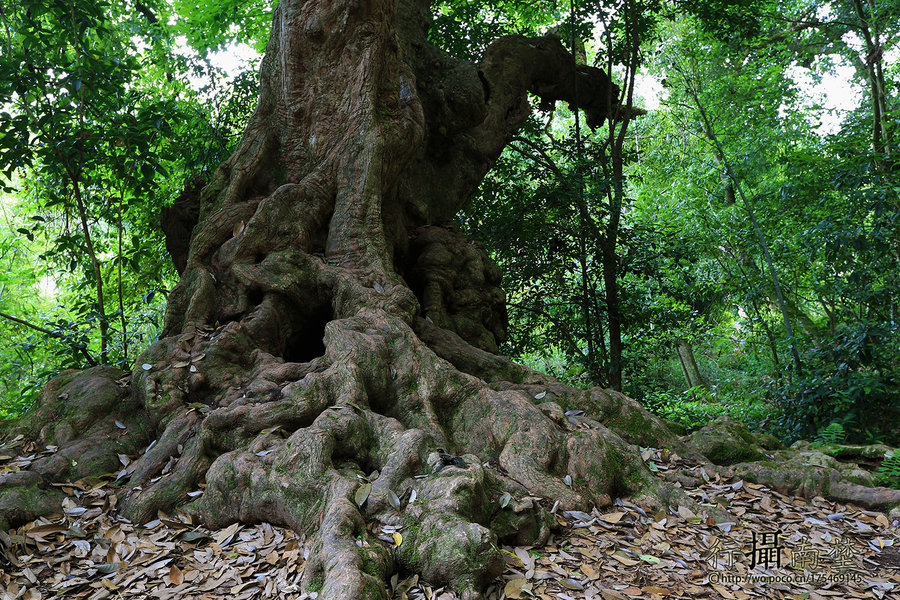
(688, 364)
(610, 263)
(881, 133)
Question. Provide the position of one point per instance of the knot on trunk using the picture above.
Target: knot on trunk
(458, 286)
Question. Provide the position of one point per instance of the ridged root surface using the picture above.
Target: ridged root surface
(293, 444)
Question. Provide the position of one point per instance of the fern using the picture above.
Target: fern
(888, 471)
(833, 434)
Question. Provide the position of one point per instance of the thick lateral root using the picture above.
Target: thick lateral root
(354, 478)
(802, 469)
(25, 496)
(312, 482)
(83, 422)
(812, 473)
(377, 436)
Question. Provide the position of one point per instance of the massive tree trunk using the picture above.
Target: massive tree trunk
(327, 358)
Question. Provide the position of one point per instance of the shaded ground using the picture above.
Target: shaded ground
(87, 551)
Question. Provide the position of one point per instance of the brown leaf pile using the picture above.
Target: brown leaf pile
(826, 550)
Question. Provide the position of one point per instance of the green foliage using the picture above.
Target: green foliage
(697, 407)
(209, 25)
(731, 20)
(97, 135)
(558, 364)
(825, 208)
(853, 381)
(690, 266)
(833, 434)
(888, 472)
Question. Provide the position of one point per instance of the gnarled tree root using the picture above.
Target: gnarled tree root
(802, 470)
(376, 436)
(356, 445)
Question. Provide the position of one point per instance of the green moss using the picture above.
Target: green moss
(29, 501)
(316, 584)
(726, 442)
(675, 427)
(160, 399)
(504, 522)
(367, 563)
(412, 538)
(92, 465)
(372, 589)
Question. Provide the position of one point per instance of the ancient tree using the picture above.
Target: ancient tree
(328, 357)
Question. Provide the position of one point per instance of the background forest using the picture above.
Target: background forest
(730, 246)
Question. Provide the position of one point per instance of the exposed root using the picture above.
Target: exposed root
(294, 443)
(812, 473)
(26, 496)
(88, 420)
(802, 470)
(379, 435)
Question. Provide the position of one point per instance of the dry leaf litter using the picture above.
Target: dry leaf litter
(825, 550)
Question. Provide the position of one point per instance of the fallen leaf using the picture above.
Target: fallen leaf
(223, 538)
(623, 558)
(655, 589)
(515, 588)
(589, 571)
(686, 513)
(612, 518)
(571, 584)
(175, 575)
(362, 493)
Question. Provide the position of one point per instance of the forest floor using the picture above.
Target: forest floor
(777, 547)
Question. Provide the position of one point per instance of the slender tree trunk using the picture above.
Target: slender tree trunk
(613, 165)
(602, 354)
(613, 312)
(881, 135)
(95, 265)
(727, 186)
(798, 366)
(688, 363)
(119, 259)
